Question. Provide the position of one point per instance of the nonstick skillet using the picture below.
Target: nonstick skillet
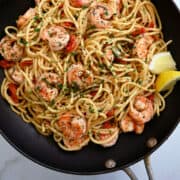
(129, 149)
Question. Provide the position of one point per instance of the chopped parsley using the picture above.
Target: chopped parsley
(92, 27)
(74, 53)
(106, 13)
(116, 52)
(60, 86)
(91, 110)
(84, 7)
(23, 41)
(38, 88)
(37, 18)
(75, 87)
(36, 29)
(66, 90)
(102, 66)
(52, 102)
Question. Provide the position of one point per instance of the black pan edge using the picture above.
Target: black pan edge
(97, 172)
(93, 173)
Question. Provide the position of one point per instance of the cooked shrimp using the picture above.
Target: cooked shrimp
(139, 128)
(24, 19)
(99, 15)
(37, 1)
(116, 5)
(80, 3)
(79, 76)
(108, 134)
(127, 124)
(10, 50)
(74, 129)
(46, 86)
(142, 110)
(56, 36)
(16, 75)
(142, 46)
(112, 141)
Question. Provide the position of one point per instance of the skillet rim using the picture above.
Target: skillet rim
(163, 140)
(150, 151)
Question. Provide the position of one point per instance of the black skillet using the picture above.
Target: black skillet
(129, 149)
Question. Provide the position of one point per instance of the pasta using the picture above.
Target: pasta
(78, 70)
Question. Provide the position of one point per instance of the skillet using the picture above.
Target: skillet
(129, 149)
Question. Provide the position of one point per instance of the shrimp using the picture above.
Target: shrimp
(142, 110)
(112, 141)
(37, 1)
(80, 3)
(46, 85)
(142, 46)
(99, 15)
(16, 75)
(10, 50)
(24, 19)
(77, 75)
(109, 134)
(127, 124)
(56, 36)
(116, 5)
(74, 129)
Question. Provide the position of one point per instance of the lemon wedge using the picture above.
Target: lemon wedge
(162, 62)
(166, 80)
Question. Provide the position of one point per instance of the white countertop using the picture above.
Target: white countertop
(165, 163)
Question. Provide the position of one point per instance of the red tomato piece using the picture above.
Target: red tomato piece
(12, 92)
(138, 32)
(151, 97)
(118, 60)
(151, 25)
(93, 93)
(72, 44)
(26, 63)
(107, 125)
(110, 113)
(68, 24)
(6, 64)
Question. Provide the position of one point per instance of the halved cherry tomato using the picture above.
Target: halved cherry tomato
(62, 14)
(151, 25)
(6, 64)
(151, 97)
(110, 112)
(72, 44)
(68, 24)
(118, 60)
(61, 6)
(138, 32)
(107, 125)
(93, 93)
(12, 92)
(156, 37)
(25, 63)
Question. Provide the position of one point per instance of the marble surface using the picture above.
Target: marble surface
(165, 162)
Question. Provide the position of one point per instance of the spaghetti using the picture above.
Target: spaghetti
(78, 70)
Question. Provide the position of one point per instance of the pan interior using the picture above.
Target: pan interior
(91, 159)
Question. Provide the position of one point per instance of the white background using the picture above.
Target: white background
(165, 162)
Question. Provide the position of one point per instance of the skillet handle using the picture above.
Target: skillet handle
(148, 168)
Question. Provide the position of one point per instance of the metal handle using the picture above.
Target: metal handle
(148, 168)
